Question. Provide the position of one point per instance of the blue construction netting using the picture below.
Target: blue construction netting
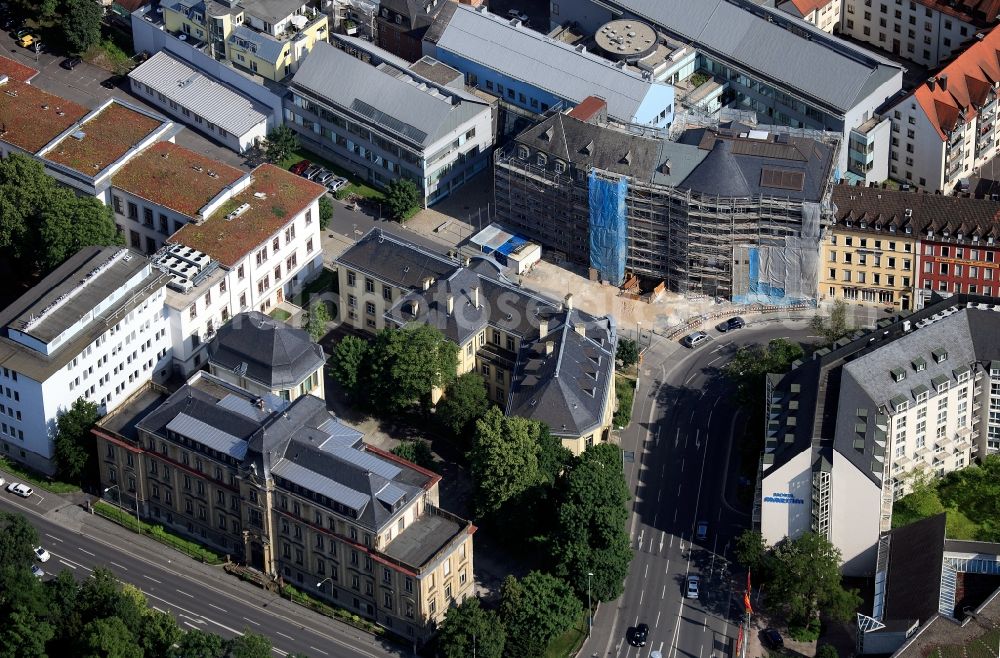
(608, 228)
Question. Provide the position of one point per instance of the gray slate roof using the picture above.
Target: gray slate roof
(273, 353)
(267, 47)
(761, 42)
(554, 66)
(187, 86)
(395, 261)
(272, 11)
(385, 96)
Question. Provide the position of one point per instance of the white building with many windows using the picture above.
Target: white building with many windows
(94, 328)
(849, 430)
(824, 14)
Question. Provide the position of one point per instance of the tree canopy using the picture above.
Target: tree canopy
(417, 452)
(503, 459)
(465, 401)
(346, 364)
(74, 444)
(836, 325)
(468, 625)
(319, 317)
(325, 211)
(81, 25)
(752, 363)
(402, 197)
(280, 144)
(403, 366)
(627, 352)
(534, 610)
(968, 496)
(804, 578)
(590, 534)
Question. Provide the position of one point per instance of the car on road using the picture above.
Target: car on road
(71, 63)
(771, 639)
(300, 167)
(637, 635)
(518, 14)
(2, 482)
(692, 587)
(42, 554)
(37, 571)
(22, 490)
(695, 339)
(731, 324)
(701, 531)
(113, 81)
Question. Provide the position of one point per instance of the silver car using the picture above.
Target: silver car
(336, 183)
(695, 339)
(692, 587)
(312, 172)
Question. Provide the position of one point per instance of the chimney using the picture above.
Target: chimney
(550, 347)
(543, 328)
(580, 328)
(475, 296)
(427, 282)
(569, 302)
(931, 81)
(414, 307)
(943, 81)
(451, 305)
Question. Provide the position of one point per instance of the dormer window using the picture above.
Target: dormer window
(940, 355)
(919, 364)
(541, 160)
(897, 374)
(522, 152)
(560, 166)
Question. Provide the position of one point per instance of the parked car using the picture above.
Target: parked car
(313, 171)
(771, 639)
(37, 571)
(518, 14)
(22, 490)
(300, 167)
(637, 635)
(336, 183)
(113, 81)
(28, 40)
(324, 177)
(731, 324)
(701, 531)
(71, 63)
(42, 554)
(695, 339)
(2, 482)
(692, 587)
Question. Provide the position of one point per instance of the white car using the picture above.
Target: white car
(22, 490)
(2, 482)
(692, 588)
(37, 571)
(42, 554)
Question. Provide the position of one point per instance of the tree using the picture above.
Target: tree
(280, 144)
(590, 533)
(417, 452)
(34, 9)
(465, 401)
(534, 610)
(402, 196)
(24, 634)
(319, 317)
(827, 651)
(74, 444)
(751, 364)
(503, 460)
(405, 365)
(805, 579)
(248, 645)
(553, 456)
(158, 633)
(752, 552)
(627, 353)
(325, 211)
(346, 362)
(198, 644)
(18, 587)
(70, 223)
(469, 620)
(834, 327)
(81, 25)
(109, 637)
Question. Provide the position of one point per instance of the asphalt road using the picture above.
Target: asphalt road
(684, 436)
(218, 605)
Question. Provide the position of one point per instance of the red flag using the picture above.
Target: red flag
(746, 603)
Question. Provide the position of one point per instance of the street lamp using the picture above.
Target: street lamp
(138, 523)
(320, 583)
(590, 608)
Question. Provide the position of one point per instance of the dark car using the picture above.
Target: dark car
(731, 324)
(113, 81)
(771, 639)
(71, 63)
(299, 167)
(637, 635)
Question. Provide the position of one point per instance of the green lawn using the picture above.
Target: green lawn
(34, 480)
(625, 392)
(280, 314)
(319, 285)
(569, 642)
(354, 186)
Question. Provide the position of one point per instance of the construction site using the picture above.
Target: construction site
(730, 211)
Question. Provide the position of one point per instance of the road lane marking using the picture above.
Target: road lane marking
(67, 564)
(646, 572)
(704, 629)
(682, 465)
(53, 537)
(657, 624)
(714, 360)
(118, 565)
(83, 550)
(218, 608)
(280, 652)
(180, 591)
(158, 609)
(158, 582)
(688, 381)
(287, 637)
(252, 621)
(663, 594)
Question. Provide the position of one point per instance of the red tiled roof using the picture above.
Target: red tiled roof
(31, 118)
(807, 7)
(229, 241)
(587, 108)
(963, 85)
(108, 135)
(978, 12)
(16, 70)
(174, 177)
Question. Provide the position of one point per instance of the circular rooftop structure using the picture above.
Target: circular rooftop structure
(625, 39)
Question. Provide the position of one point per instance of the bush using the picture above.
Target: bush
(808, 633)
(123, 517)
(827, 651)
(325, 211)
(625, 391)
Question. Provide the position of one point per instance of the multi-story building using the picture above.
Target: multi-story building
(848, 429)
(266, 38)
(94, 329)
(927, 32)
(540, 359)
(80, 148)
(824, 14)
(730, 212)
(267, 357)
(947, 128)
(534, 72)
(165, 187)
(960, 253)
(258, 248)
(818, 82)
(869, 256)
(400, 25)
(291, 490)
(385, 123)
